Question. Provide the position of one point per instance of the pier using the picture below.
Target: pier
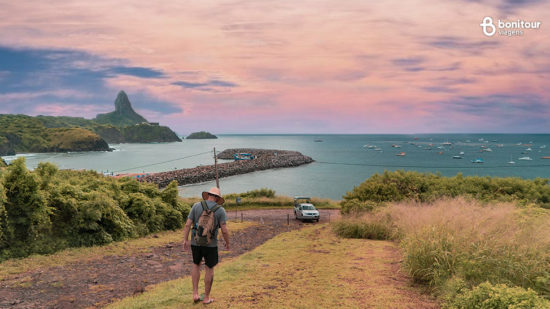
(264, 159)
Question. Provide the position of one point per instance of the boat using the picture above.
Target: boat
(511, 161)
(525, 159)
(529, 149)
(478, 160)
(243, 156)
(447, 143)
(401, 154)
(545, 157)
(461, 153)
(543, 146)
(377, 149)
(396, 146)
(457, 157)
(500, 145)
(318, 140)
(487, 149)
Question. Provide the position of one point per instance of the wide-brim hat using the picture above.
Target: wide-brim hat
(214, 191)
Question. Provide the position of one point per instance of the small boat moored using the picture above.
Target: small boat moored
(243, 156)
(525, 159)
(478, 160)
(401, 154)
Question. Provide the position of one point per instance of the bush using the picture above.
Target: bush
(367, 230)
(263, 192)
(49, 209)
(400, 185)
(488, 296)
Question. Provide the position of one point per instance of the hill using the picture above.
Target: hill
(124, 114)
(201, 135)
(22, 133)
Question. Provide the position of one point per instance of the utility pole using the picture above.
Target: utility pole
(216, 168)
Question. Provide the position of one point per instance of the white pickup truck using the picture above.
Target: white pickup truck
(304, 209)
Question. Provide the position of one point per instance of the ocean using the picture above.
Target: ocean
(342, 161)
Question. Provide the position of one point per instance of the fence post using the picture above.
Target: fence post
(287, 219)
(241, 217)
(329, 217)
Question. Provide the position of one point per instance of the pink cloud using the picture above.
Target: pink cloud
(351, 66)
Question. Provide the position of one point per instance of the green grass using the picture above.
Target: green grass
(309, 268)
(275, 202)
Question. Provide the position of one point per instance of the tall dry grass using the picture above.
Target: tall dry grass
(455, 243)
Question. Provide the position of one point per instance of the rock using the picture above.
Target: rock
(124, 114)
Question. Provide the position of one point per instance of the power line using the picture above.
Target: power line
(425, 166)
(163, 162)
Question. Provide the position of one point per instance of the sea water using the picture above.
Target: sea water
(342, 161)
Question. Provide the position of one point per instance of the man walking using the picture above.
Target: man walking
(213, 201)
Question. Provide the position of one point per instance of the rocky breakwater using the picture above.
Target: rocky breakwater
(263, 159)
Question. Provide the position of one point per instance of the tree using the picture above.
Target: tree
(28, 216)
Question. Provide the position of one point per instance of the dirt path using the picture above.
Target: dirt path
(99, 282)
(308, 268)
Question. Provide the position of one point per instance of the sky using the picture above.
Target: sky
(257, 66)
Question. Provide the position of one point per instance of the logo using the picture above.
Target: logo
(508, 28)
(488, 23)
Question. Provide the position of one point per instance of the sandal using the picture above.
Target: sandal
(211, 300)
(196, 300)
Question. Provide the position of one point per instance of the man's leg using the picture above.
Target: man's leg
(195, 276)
(208, 280)
(210, 260)
(196, 271)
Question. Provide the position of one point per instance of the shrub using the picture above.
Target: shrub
(488, 296)
(367, 230)
(400, 185)
(46, 210)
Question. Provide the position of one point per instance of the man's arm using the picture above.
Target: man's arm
(186, 230)
(225, 234)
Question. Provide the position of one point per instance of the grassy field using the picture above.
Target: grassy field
(309, 268)
(133, 246)
(263, 202)
(459, 247)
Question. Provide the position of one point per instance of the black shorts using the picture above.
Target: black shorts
(210, 255)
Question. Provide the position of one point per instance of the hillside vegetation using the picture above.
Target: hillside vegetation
(21, 133)
(477, 242)
(415, 186)
(45, 210)
(201, 135)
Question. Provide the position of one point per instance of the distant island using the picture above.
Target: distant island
(201, 135)
(22, 133)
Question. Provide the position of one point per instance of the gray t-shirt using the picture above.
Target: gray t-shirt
(219, 218)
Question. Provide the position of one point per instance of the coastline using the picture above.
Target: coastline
(263, 159)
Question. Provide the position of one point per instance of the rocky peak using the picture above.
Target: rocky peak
(122, 103)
